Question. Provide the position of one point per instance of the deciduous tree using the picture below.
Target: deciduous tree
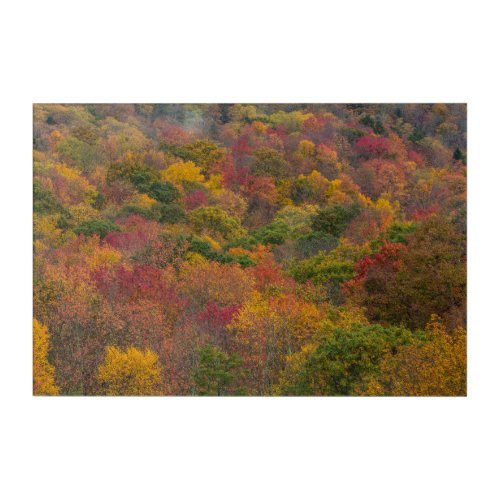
(130, 373)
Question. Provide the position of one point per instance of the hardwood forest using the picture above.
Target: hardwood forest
(249, 249)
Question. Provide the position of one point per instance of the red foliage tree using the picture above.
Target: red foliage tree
(370, 146)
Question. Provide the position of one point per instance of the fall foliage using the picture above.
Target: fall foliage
(264, 249)
(43, 371)
(129, 373)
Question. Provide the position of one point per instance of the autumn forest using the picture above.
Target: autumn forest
(249, 249)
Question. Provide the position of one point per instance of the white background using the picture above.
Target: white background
(260, 51)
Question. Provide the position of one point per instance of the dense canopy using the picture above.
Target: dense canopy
(249, 249)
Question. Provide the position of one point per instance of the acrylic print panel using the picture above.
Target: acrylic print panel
(249, 249)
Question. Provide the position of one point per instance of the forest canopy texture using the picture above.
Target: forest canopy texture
(249, 249)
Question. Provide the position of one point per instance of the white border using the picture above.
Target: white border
(225, 51)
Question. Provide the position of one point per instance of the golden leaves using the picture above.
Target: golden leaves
(43, 371)
(130, 373)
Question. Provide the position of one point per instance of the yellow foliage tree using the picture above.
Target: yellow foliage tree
(46, 230)
(437, 367)
(182, 171)
(43, 371)
(305, 149)
(387, 211)
(319, 184)
(347, 316)
(214, 183)
(130, 373)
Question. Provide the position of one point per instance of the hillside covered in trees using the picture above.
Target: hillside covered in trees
(261, 249)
